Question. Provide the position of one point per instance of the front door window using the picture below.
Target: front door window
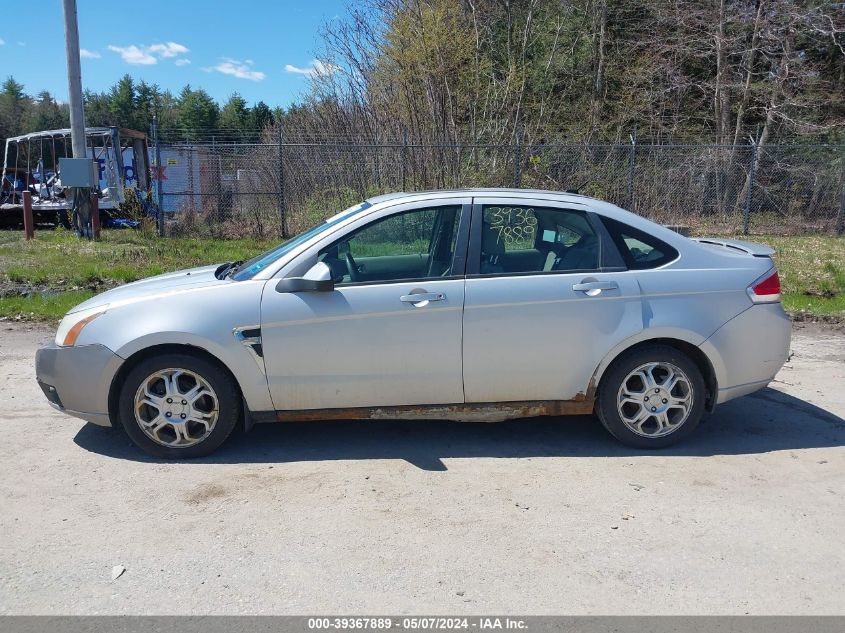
(418, 244)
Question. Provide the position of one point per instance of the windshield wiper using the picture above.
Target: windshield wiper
(233, 268)
(224, 270)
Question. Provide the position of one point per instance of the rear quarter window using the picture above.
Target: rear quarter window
(639, 250)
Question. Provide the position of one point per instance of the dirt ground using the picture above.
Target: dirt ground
(543, 516)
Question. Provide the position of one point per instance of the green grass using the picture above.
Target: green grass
(64, 271)
(379, 249)
(49, 307)
(58, 258)
(812, 273)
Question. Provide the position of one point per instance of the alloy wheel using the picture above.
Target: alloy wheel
(176, 407)
(655, 399)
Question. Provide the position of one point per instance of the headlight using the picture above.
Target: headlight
(71, 326)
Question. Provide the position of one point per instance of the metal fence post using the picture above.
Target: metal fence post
(189, 150)
(216, 154)
(517, 159)
(282, 209)
(750, 196)
(632, 165)
(840, 217)
(458, 149)
(404, 156)
(158, 179)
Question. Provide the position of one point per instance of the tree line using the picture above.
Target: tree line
(585, 71)
(574, 71)
(191, 115)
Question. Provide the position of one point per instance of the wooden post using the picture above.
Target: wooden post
(95, 215)
(28, 222)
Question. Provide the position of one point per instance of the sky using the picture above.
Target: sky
(261, 49)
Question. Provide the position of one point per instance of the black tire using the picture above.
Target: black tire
(611, 382)
(228, 402)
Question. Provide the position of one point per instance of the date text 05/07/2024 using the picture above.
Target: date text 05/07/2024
(417, 623)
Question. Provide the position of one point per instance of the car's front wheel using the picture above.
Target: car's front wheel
(651, 397)
(178, 406)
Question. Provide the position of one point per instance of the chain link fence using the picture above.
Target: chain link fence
(278, 189)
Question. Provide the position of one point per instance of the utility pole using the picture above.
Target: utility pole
(79, 197)
(74, 80)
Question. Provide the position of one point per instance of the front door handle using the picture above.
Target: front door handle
(423, 298)
(593, 288)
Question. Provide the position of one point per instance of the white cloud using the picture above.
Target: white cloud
(315, 69)
(171, 49)
(84, 53)
(148, 55)
(134, 55)
(2, 42)
(182, 62)
(21, 43)
(241, 70)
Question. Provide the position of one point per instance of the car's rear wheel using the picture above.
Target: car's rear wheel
(651, 397)
(178, 406)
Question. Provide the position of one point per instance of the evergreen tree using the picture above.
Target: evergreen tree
(234, 118)
(14, 105)
(97, 110)
(123, 102)
(260, 117)
(148, 102)
(47, 114)
(197, 113)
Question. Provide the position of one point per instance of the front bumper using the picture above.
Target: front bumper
(76, 380)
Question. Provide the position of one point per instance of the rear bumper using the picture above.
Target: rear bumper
(730, 393)
(76, 380)
(747, 351)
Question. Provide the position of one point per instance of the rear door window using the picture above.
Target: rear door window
(523, 239)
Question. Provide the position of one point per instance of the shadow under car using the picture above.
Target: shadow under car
(766, 421)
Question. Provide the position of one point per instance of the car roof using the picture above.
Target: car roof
(475, 191)
(603, 207)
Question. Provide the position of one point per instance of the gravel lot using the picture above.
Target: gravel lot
(530, 517)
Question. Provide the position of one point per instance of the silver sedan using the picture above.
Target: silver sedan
(475, 305)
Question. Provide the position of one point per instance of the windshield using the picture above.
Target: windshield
(258, 263)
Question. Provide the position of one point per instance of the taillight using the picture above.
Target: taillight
(766, 289)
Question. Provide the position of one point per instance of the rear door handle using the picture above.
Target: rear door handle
(593, 288)
(419, 297)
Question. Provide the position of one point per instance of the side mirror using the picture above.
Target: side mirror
(317, 279)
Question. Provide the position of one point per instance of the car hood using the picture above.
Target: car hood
(158, 286)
